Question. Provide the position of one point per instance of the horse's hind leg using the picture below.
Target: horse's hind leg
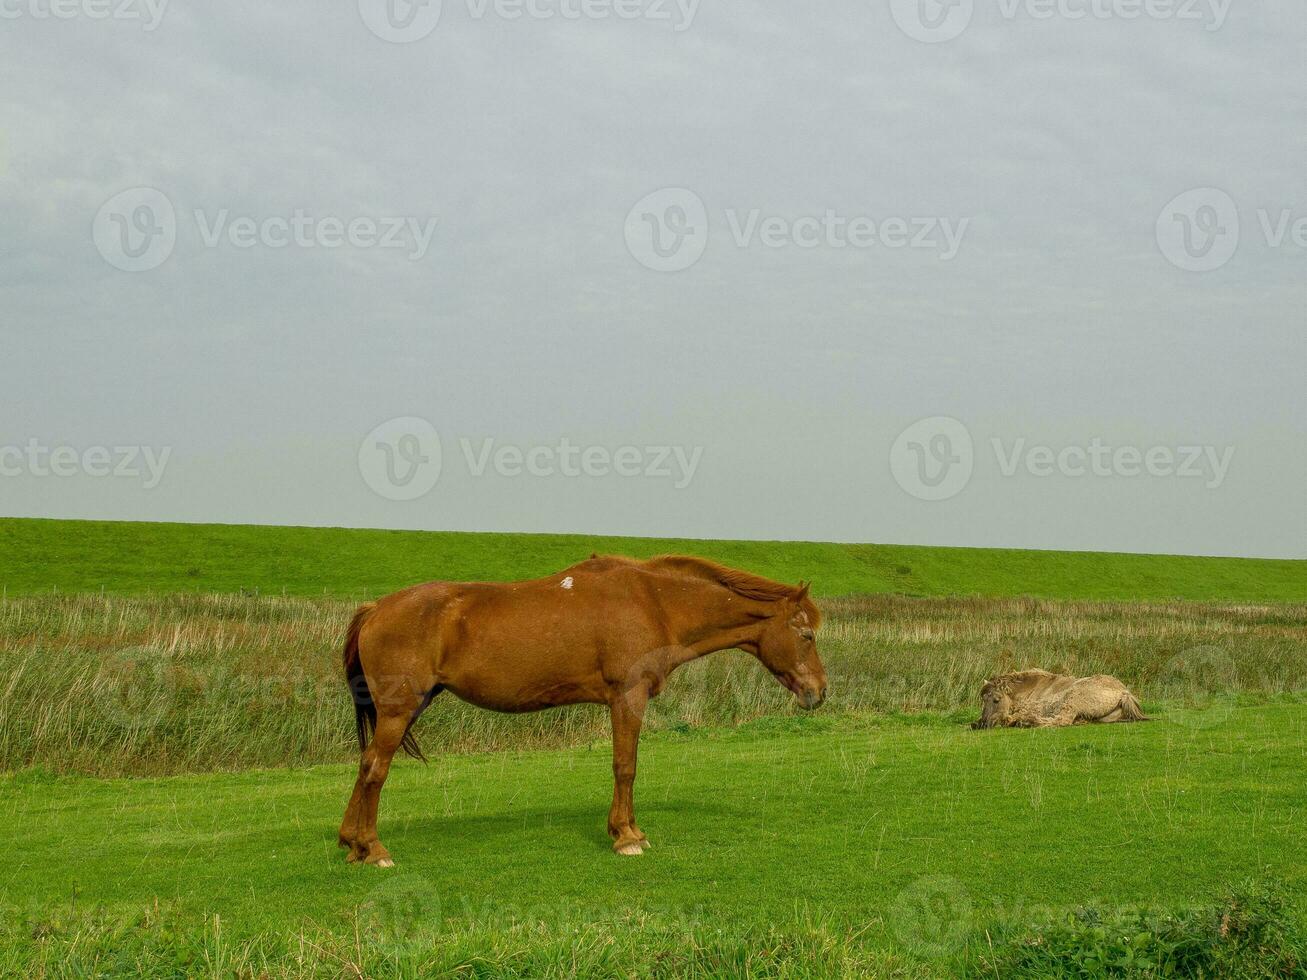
(373, 769)
(358, 829)
(349, 824)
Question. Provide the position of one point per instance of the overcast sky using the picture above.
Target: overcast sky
(867, 271)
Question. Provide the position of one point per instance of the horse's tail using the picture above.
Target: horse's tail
(1130, 710)
(365, 709)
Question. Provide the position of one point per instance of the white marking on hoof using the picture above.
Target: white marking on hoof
(629, 850)
(385, 863)
(567, 582)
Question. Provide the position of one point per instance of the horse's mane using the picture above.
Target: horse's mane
(744, 584)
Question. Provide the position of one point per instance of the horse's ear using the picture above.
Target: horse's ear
(803, 591)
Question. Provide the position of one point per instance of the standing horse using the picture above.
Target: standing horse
(605, 631)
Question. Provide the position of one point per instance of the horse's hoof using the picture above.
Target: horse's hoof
(377, 856)
(629, 850)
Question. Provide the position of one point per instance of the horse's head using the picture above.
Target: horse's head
(995, 703)
(787, 647)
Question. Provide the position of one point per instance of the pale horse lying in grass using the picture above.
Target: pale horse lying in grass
(1038, 699)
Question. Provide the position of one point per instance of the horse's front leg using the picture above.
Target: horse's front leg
(627, 708)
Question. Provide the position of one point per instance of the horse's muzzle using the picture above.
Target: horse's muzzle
(812, 699)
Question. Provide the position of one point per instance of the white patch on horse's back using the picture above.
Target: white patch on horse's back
(567, 582)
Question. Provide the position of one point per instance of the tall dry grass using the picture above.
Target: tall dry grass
(112, 686)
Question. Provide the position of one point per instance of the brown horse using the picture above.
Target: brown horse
(605, 631)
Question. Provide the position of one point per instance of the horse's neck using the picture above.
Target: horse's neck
(707, 617)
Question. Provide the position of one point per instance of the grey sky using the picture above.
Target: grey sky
(785, 371)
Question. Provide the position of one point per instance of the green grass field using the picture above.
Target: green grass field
(87, 556)
(859, 843)
(174, 758)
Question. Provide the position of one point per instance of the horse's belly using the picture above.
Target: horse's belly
(532, 651)
(504, 680)
(517, 699)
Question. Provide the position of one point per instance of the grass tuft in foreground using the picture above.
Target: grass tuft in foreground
(617, 944)
(1252, 934)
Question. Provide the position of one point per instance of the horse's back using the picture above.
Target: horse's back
(1040, 685)
(519, 646)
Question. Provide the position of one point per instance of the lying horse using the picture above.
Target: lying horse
(1038, 699)
(606, 631)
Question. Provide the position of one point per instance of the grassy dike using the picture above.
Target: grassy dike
(133, 558)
